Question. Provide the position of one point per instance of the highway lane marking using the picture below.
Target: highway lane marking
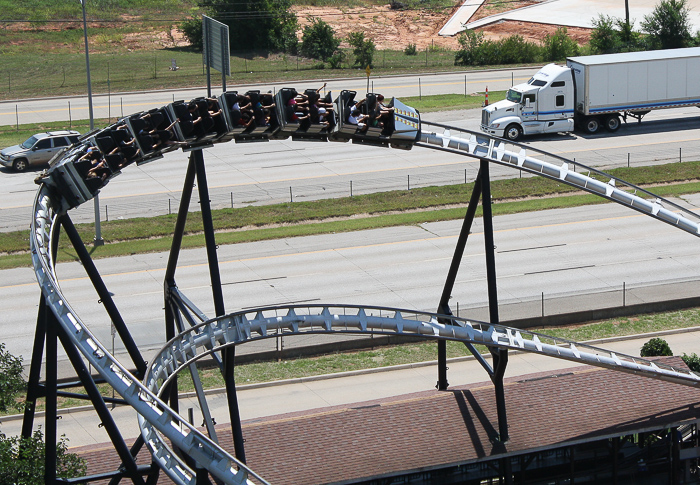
(322, 251)
(388, 86)
(468, 160)
(645, 144)
(361, 172)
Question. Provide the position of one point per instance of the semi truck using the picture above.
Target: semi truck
(591, 93)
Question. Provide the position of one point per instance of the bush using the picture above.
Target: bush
(559, 46)
(337, 59)
(515, 49)
(668, 25)
(604, 38)
(692, 361)
(470, 43)
(22, 460)
(363, 49)
(476, 51)
(411, 50)
(11, 381)
(192, 28)
(655, 347)
(318, 40)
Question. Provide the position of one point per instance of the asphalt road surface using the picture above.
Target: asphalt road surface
(282, 171)
(561, 254)
(119, 104)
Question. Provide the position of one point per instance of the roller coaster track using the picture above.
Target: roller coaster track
(159, 422)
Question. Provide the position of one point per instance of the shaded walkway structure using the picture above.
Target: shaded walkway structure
(190, 456)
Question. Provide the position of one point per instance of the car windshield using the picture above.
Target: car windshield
(29, 142)
(514, 96)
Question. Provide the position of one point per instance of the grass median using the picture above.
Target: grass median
(372, 211)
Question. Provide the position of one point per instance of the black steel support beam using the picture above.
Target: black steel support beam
(100, 406)
(50, 415)
(500, 356)
(460, 246)
(209, 236)
(34, 388)
(171, 394)
(231, 395)
(105, 296)
(444, 305)
(179, 230)
(219, 308)
(86, 397)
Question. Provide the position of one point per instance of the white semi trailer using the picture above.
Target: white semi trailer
(591, 92)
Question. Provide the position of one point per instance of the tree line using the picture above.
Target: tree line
(271, 26)
(666, 27)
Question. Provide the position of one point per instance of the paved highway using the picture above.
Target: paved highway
(591, 251)
(279, 171)
(117, 104)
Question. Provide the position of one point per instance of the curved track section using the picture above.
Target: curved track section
(155, 417)
(515, 155)
(246, 326)
(69, 183)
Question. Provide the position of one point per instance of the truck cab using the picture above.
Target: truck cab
(544, 104)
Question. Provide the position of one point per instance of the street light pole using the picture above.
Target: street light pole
(98, 231)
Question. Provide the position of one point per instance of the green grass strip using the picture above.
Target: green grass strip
(162, 243)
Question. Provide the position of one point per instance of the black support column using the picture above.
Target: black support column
(127, 460)
(217, 293)
(105, 296)
(444, 305)
(171, 393)
(500, 356)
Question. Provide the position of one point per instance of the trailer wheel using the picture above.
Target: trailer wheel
(591, 125)
(513, 132)
(612, 122)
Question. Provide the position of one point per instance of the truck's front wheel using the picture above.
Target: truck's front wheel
(513, 132)
(612, 123)
(591, 125)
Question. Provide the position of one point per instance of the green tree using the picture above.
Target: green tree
(692, 361)
(470, 43)
(192, 29)
(668, 25)
(11, 381)
(605, 39)
(559, 46)
(267, 25)
(363, 49)
(318, 40)
(22, 460)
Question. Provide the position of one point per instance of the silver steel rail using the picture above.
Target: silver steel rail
(159, 422)
(270, 322)
(515, 155)
(156, 419)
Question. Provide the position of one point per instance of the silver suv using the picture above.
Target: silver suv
(37, 149)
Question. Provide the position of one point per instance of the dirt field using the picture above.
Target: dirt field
(389, 29)
(395, 29)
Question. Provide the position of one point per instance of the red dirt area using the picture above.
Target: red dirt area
(395, 29)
